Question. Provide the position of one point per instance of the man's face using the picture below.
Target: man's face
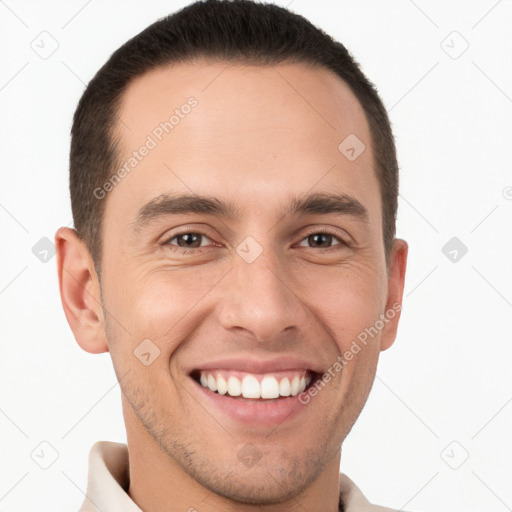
(253, 293)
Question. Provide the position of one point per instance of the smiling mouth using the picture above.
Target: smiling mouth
(255, 387)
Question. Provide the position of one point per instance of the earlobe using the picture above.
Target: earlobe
(396, 281)
(80, 291)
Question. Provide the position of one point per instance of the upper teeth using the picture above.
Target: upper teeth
(251, 387)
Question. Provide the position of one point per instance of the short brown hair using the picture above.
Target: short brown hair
(237, 30)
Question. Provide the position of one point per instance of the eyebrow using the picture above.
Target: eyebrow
(312, 204)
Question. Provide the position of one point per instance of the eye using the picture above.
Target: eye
(188, 240)
(323, 240)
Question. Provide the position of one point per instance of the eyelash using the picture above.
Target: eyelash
(343, 243)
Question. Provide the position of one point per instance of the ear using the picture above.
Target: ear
(396, 280)
(80, 291)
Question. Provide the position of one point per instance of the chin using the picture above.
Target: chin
(273, 479)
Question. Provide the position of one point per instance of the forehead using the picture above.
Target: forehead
(239, 131)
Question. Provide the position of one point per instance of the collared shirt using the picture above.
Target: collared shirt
(108, 482)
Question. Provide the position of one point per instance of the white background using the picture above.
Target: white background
(447, 378)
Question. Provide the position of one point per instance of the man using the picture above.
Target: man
(234, 190)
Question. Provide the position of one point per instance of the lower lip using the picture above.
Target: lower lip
(251, 411)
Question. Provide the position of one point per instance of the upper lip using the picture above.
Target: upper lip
(254, 365)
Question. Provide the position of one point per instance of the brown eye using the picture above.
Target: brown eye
(188, 240)
(322, 240)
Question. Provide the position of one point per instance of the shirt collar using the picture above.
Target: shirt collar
(108, 482)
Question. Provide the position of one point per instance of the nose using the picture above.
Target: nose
(259, 299)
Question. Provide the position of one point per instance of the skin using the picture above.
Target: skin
(255, 141)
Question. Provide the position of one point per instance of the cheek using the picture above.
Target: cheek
(157, 304)
(150, 314)
(346, 301)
